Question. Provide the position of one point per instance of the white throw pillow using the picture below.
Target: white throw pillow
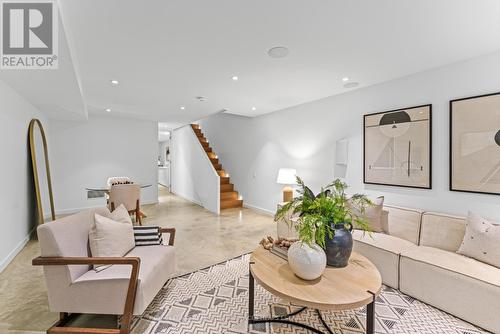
(481, 240)
(120, 215)
(373, 214)
(109, 238)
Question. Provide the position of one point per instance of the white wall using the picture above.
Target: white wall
(17, 195)
(85, 154)
(192, 174)
(303, 137)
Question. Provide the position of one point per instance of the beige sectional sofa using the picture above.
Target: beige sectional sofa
(417, 255)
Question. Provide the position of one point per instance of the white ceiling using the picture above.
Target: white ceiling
(165, 53)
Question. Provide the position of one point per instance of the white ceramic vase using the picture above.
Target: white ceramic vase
(307, 262)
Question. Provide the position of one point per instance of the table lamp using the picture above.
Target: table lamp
(287, 177)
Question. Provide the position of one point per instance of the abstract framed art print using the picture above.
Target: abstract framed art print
(398, 147)
(475, 144)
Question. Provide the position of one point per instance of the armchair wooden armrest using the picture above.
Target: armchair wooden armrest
(171, 231)
(135, 262)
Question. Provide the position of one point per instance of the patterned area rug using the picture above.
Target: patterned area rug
(215, 300)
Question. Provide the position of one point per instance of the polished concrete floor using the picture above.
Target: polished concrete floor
(202, 239)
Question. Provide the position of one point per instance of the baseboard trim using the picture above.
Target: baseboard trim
(194, 201)
(256, 208)
(13, 253)
(187, 199)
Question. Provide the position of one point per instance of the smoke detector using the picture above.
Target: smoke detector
(278, 52)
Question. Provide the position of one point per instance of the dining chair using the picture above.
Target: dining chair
(129, 195)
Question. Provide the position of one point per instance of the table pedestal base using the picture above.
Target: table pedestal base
(370, 313)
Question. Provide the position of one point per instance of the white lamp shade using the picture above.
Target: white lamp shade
(287, 176)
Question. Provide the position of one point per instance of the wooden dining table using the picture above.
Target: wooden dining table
(105, 189)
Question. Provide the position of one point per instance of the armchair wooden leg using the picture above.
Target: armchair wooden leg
(138, 216)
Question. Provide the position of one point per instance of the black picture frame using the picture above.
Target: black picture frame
(450, 147)
(430, 148)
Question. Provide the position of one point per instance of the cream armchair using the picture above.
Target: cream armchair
(126, 288)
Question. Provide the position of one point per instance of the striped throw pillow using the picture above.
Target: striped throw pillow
(147, 235)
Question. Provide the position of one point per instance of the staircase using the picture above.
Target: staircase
(228, 196)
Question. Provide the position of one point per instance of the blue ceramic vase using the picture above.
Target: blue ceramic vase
(339, 248)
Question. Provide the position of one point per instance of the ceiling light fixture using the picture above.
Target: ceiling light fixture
(114, 82)
(351, 84)
(182, 107)
(253, 108)
(278, 52)
(235, 78)
(108, 110)
(345, 79)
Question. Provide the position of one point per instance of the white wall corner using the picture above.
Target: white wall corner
(7, 260)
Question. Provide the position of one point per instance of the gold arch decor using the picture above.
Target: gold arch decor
(34, 123)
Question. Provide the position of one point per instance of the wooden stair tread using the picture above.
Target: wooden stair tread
(224, 180)
(226, 187)
(231, 203)
(229, 195)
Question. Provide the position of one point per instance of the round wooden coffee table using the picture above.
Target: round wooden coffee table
(347, 288)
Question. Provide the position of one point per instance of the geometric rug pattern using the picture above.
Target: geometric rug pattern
(215, 300)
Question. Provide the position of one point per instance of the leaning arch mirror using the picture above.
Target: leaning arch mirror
(41, 171)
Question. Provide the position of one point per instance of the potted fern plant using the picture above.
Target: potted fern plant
(326, 219)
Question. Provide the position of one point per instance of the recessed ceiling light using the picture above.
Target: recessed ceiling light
(278, 52)
(114, 82)
(351, 84)
(345, 79)
(253, 108)
(108, 110)
(235, 78)
(182, 107)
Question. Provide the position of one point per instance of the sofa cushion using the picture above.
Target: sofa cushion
(109, 238)
(456, 263)
(442, 231)
(372, 214)
(404, 223)
(120, 214)
(459, 285)
(109, 287)
(383, 251)
(481, 240)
